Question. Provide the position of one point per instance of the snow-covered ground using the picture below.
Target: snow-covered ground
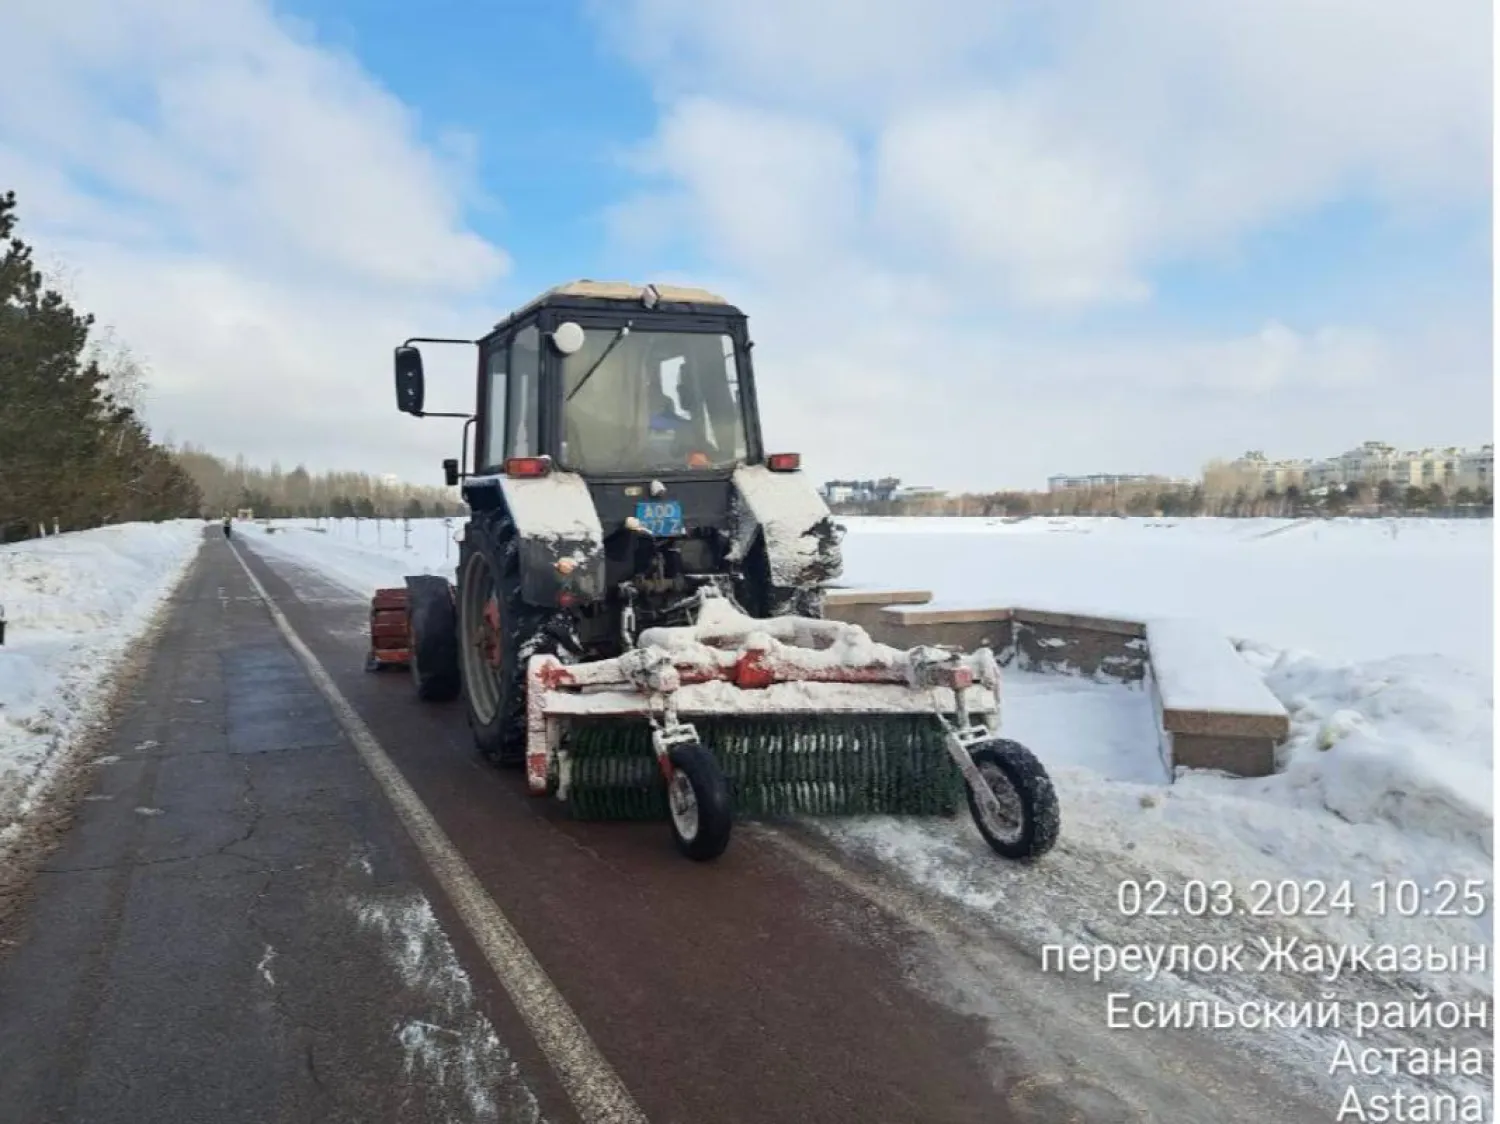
(1375, 635)
(74, 606)
(1345, 589)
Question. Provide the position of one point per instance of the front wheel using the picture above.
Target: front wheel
(698, 801)
(1026, 824)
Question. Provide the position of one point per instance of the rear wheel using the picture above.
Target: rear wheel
(494, 680)
(433, 628)
(1026, 824)
(698, 803)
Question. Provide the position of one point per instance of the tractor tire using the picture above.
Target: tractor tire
(494, 628)
(1019, 780)
(699, 804)
(433, 626)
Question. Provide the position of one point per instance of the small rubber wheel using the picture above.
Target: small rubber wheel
(698, 803)
(1028, 821)
(433, 624)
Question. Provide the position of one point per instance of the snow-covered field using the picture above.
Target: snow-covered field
(1347, 590)
(1376, 636)
(74, 605)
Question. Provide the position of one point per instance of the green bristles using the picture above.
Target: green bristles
(843, 765)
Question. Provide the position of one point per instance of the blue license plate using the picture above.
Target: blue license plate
(661, 517)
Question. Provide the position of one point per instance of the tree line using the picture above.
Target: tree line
(1223, 492)
(231, 486)
(74, 452)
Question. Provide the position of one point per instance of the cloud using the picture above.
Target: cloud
(258, 217)
(976, 407)
(1072, 148)
(1011, 183)
(763, 190)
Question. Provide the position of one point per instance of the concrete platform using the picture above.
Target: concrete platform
(1214, 710)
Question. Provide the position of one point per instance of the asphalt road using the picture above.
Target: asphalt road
(245, 925)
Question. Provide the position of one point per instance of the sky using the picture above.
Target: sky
(980, 242)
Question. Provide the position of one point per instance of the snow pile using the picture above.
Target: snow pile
(75, 604)
(1406, 741)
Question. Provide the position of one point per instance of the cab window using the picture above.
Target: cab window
(493, 452)
(525, 373)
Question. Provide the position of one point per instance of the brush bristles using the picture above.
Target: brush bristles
(776, 766)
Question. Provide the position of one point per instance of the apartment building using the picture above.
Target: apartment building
(1374, 462)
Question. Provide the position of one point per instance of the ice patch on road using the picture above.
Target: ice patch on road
(264, 967)
(454, 1047)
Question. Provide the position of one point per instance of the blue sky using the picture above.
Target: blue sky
(549, 106)
(980, 241)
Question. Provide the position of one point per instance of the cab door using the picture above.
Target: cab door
(512, 365)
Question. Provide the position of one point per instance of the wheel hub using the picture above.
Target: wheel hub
(1005, 818)
(489, 636)
(683, 804)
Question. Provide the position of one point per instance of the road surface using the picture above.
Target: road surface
(295, 893)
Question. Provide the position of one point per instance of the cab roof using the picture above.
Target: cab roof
(585, 293)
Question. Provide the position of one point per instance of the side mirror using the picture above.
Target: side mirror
(410, 385)
(450, 472)
(567, 338)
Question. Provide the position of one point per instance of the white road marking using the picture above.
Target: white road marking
(597, 1093)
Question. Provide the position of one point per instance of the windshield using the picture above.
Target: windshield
(659, 401)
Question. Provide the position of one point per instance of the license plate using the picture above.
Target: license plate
(660, 517)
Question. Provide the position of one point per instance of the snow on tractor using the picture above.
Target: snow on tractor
(637, 616)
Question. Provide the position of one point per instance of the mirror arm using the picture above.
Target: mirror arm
(432, 414)
(436, 339)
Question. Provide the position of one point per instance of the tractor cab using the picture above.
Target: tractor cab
(618, 424)
(648, 386)
(609, 381)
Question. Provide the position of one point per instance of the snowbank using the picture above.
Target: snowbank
(1406, 741)
(75, 603)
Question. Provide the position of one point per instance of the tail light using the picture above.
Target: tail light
(784, 462)
(528, 466)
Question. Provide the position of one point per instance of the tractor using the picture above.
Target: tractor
(637, 614)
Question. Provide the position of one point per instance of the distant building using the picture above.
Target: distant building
(1373, 463)
(861, 491)
(1108, 480)
(1278, 476)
